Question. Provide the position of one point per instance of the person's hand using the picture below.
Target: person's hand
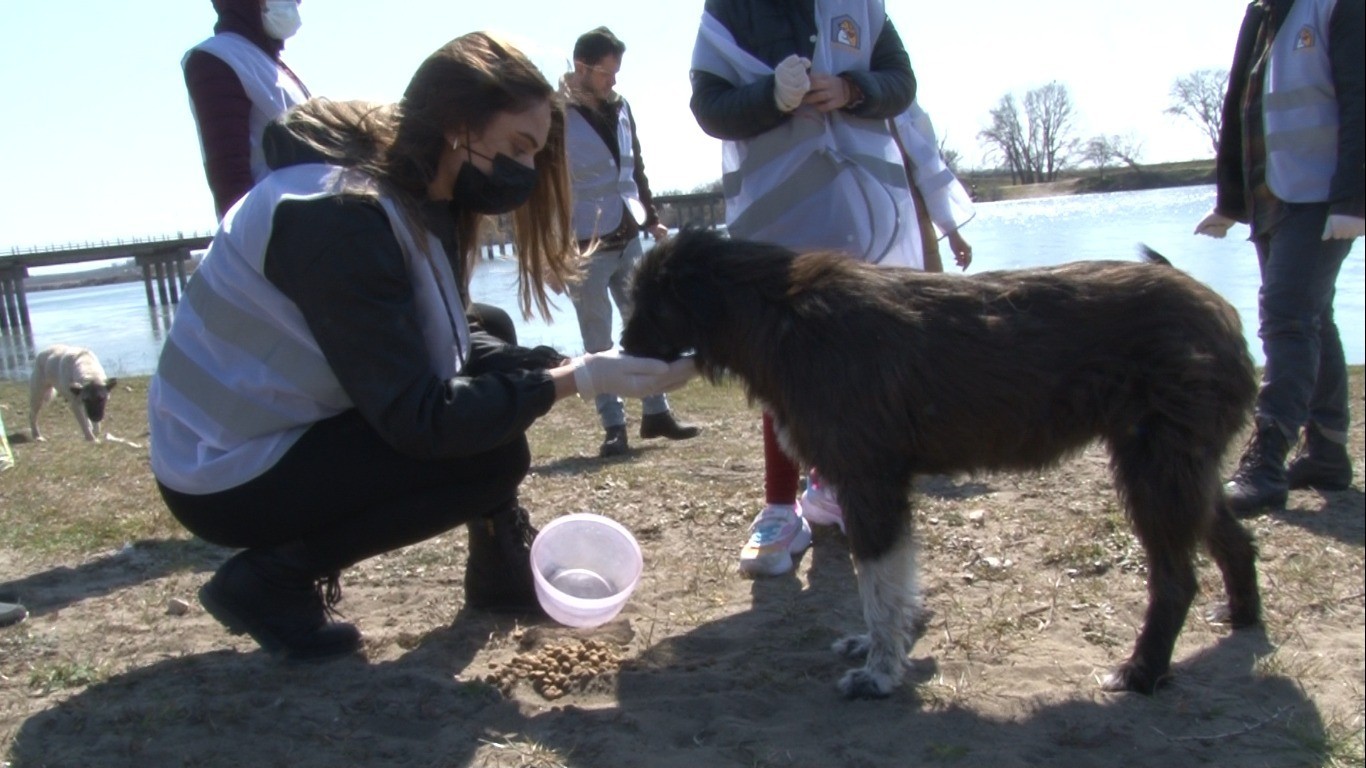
(612, 372)
(1340, 227)
(658, 231)
(829, 93)
(1214, 225)
(791, 82)
(962, 252)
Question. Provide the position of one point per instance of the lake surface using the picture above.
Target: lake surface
(115, 321)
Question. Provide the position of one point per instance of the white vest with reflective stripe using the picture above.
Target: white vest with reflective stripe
(1300, 108)
(270, 88)
(946, 201)
(602, 186)
(818, 181)
(240, 376)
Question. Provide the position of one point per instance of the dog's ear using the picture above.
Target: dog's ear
(670, 297)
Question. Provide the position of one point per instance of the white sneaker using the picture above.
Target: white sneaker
(777, 534)
(818, 504)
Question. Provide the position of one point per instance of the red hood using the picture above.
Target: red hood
(244, 18)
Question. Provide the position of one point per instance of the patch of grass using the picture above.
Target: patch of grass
(946, 753)
(67, 674)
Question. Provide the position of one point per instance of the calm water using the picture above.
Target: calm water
(115, 321)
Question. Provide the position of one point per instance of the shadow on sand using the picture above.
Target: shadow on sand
(753, 688)
(139, 561)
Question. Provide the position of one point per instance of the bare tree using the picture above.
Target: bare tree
(1101, 151)
(1037, 144)
(1006, 139)
(1199, 97)
(1050, 113)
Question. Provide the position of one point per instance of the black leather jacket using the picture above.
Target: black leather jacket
(772, 30)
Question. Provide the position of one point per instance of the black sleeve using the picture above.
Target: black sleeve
(1347, 52)
(1230, 184)
(889, 84)
(732, 112)
(339, 262)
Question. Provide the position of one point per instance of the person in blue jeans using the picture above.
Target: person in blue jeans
(1290, 165)
(612, 203)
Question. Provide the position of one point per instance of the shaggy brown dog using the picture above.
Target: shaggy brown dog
(877, 374)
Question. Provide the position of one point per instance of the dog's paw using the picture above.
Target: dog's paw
(1130, 676)
(863, 683)
(852, 647)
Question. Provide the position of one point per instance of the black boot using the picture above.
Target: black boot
(664, 425)
(1259, 483)
(614, 444)
(498, 572)
(1322, 464)
(276, 599)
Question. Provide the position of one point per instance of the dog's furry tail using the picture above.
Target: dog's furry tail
(1151, 256)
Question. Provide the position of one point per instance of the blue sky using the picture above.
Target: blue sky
(99, 142)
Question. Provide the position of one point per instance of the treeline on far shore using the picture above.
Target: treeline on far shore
(993, 185)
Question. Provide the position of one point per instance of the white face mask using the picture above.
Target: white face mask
(281, 18)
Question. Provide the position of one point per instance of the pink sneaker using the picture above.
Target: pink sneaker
(777, 534)
(818, 503)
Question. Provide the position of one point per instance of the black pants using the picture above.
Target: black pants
(341, 494)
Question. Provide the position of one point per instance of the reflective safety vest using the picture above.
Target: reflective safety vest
(240, 377)
(817, 181)
(946, 201)
(602, 186)
(270, 88)
(1299, 106)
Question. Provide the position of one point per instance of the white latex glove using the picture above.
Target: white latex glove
(1215, 225)
(791, 82)
(1340, 227)
(612, 372)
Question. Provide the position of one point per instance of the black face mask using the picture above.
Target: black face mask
(507, 188)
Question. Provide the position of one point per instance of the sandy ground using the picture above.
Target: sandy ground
(1035, 585)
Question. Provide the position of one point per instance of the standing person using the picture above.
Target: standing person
(321, 398)
(801, 96)
(611, 203)
(1290, 165)
(941, 202)
(237, 85)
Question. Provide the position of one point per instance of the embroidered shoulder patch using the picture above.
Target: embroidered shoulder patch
(845, 31)
(1305, 39)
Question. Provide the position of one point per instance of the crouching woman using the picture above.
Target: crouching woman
(328, 393)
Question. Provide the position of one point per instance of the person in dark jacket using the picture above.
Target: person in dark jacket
(803, 104)
(323, 397)
(237, 84)
(1291, 160)
(612, 202)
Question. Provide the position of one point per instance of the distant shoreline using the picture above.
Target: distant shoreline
(119, 273)
(986, 187)
(995, 186)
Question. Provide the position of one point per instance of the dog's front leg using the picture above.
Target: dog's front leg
(887, 588)
(88, 427)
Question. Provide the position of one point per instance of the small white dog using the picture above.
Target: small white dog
(76, 373)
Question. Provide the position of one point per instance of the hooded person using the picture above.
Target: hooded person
(237, 84)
